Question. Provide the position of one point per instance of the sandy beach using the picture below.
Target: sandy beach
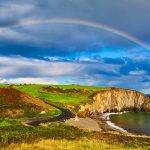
(97, 123)
(84, 123)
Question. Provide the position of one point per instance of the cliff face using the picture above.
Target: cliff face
(116, 100)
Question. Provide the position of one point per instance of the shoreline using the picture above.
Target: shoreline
(110, 123)
(107, 126)
(99, 123)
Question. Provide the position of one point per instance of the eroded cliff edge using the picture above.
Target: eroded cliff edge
(116, 100)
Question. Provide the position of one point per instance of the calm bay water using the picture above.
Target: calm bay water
(134, 122)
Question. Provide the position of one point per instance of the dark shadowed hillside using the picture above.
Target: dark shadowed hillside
(14, 103)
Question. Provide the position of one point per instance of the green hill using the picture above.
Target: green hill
(14, 103)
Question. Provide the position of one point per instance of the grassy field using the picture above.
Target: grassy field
(62, 136)
(63, 98)
(15, 136)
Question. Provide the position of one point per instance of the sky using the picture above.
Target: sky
(88, 42)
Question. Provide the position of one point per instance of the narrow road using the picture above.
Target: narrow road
(66, 114)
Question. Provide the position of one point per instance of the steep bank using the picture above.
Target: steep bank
(116, 100)
(14, 103)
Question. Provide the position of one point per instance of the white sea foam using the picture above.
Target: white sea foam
(106, 115)
(115, 126)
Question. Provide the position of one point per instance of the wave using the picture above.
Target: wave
(106, 115)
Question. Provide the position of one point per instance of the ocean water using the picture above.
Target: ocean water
(134, 122)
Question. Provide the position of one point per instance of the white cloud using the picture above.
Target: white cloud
(14, 10)
(25, 67)
(53, 58)
(18, 66)
(146, 91)
(28, 81)
(13, 35)
(137, 72)
(24, 70)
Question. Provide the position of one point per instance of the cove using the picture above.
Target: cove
(133, 122)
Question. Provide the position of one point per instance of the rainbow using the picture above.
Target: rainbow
(83, 23)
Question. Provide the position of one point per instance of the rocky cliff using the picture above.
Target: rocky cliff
(116, 100)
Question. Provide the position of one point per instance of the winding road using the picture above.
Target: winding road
(66, 114)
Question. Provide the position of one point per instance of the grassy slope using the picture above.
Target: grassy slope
(70, 100)
(60, 135)
(15, 104)
(33, 90)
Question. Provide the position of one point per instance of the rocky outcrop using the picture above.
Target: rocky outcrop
(116, 100)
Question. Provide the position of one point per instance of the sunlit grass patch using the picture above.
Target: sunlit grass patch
(5, 123)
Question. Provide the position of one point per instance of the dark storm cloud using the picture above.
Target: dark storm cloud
(75, 53)
(130, 16)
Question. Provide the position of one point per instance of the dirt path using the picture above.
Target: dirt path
(66, 114)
